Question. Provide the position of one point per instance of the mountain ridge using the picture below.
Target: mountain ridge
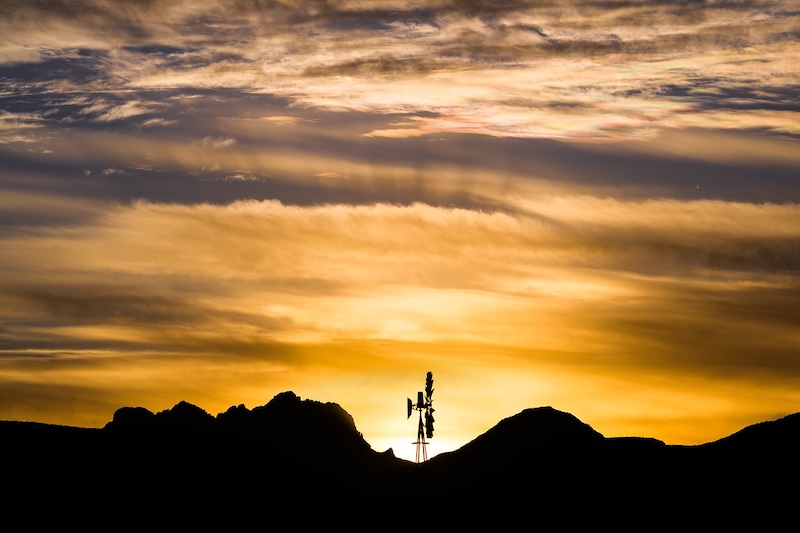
(291, 454)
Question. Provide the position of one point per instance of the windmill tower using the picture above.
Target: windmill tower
(424, 405)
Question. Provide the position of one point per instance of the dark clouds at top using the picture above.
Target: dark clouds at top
(118, 46)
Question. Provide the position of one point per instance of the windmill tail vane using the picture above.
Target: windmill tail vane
(424, 405)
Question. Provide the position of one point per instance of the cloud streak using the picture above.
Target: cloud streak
(212, 264)
(563, 70)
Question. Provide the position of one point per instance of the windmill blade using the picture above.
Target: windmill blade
(429, 384)
(429, 425)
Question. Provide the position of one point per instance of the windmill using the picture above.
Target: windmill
(424, 405)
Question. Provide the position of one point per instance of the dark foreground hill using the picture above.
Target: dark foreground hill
(301, 463)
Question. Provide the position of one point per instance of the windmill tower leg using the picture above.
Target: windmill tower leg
(421, 440)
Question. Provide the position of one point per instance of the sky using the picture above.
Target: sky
(592, 205)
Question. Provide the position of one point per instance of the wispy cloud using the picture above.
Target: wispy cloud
(312, 260)
(565, 70)
(158, 122)
(217, 142)
(15, 127)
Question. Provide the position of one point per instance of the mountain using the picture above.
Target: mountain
(304, 463)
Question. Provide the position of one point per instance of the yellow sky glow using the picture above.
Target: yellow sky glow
(508, 311)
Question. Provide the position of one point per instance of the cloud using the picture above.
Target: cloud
(217, 142)
(12, 55)
(679, 236)
(158, 122)
(121, 112)
(15, 127)
(358, 261)
(283, 120)
(110, 171)
(602, 72)
(332, 175)
(242, 177)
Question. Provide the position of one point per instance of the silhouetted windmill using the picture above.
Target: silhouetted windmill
(424, 404)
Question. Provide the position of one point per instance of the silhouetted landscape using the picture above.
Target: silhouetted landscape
(294, 463)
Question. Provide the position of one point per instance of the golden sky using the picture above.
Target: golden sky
(588, 205)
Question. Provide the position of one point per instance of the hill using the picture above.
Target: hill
(305, 463)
